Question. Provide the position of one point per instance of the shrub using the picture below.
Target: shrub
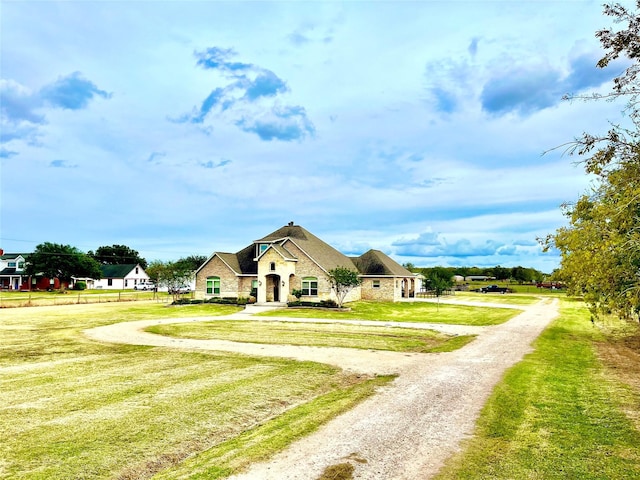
(80, 285)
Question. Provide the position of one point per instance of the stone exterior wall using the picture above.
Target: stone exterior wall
(305, 267)
(283, 269)
(289, 274)
(244, 289)
(228, 280)
(386, 291)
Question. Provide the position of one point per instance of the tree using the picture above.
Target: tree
(193, 261)
(409, 266)
(172, 275)
(343, 280)
(53, 260)
(439, 280)
(154, 270)
(600, 249)
(501, 273)
(117, 255)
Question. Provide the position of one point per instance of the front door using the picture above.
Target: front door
(273, 286)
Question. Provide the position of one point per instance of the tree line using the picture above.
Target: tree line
(65, 262)
(514, 274)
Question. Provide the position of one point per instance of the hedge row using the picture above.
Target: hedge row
(221, 300)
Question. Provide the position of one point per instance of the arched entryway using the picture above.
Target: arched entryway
(273, 288)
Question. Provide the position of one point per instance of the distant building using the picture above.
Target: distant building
(120, 277)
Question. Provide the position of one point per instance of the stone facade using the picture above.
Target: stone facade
(230, 284)
(385, 290)
(284, 258)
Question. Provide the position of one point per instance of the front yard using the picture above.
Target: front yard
(75, 408)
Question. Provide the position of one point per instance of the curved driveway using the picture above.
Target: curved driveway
(410, 427)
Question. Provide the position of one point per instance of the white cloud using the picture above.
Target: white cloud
(372, 159)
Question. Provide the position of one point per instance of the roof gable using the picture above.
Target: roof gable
(117, 271)
(13, 256)
(375, 262)
(280, 250)
(323, 254)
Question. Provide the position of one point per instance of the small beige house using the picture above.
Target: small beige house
(292, 258)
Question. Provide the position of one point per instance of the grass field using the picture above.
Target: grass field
(9, 299)
(73, 408)
(319, 335)
(406, 312)
(570, 410)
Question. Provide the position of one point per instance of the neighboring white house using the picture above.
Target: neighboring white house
(121, 277)
(12, 276)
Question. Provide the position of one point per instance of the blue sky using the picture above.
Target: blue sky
(182, 128)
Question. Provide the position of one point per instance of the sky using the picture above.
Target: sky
(425, 129)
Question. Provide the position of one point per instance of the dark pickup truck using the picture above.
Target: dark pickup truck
(494, 289)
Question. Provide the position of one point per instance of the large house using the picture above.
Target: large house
(13, 275)
(292, 258)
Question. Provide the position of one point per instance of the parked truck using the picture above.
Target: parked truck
(494, 289)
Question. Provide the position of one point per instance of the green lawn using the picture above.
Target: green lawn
(557, 415)
(516, 299)
(319, 335)
(75, 408)
(68, 297)
(405, 312)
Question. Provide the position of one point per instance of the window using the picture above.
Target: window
(375, 283)
(110, 282)
(126, 282)
(12, 264)
(262, 247)
(272, 266)
(310, 286)
(213, 285)
(136, 270)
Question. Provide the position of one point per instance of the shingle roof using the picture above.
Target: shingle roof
(321, 252)
(283, 251)
(375, 262)
(11, 256)
(230, 259)
(117, 271)
(245, 260)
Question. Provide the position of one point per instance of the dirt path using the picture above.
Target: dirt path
(409, 428)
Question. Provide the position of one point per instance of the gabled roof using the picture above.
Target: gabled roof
(283, 252)
(231, 259)
(12, 256)
(319, 251)
(117, 271)
(375, 262)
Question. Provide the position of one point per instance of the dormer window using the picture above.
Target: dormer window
(272, 266)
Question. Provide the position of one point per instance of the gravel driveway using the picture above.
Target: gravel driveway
(409, 428)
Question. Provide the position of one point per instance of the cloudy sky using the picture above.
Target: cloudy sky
(413, 127)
